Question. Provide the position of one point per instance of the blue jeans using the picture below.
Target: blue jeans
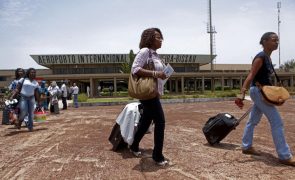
(27, 108)
(277, 128)
(75, 100)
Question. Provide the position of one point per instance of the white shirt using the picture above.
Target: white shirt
(142, 58)
(29, 87)
(75, 90)
(64, 90)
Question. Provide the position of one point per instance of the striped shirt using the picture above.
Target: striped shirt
(141, 59)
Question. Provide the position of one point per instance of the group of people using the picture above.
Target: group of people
(31, 95)
(151, 40)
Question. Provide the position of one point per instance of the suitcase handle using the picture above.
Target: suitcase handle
(244, 115)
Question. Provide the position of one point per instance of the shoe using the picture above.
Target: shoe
(288, 162)
(136, 153)
(31, 129)
(162, 163)
(251, 151)
(18, 124)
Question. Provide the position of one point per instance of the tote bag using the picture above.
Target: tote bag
(143, 88)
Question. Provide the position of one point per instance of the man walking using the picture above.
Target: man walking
(64, 95)
(75, 91)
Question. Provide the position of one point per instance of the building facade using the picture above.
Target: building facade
(192, 72)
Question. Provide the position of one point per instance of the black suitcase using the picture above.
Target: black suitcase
(5, 116)
(116, 138)
(219, 126)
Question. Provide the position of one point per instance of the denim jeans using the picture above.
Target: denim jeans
(75, 100)
(152, 110)
(277, 128)
(27, 108)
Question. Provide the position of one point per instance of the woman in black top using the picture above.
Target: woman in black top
(261, 74)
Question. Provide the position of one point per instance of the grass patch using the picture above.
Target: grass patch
(206, 94)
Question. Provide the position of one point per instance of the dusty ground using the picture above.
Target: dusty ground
(74, 145)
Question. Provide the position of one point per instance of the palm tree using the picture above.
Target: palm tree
(289, 65)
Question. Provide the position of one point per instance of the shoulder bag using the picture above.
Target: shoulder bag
(143, 88)
(275, 95)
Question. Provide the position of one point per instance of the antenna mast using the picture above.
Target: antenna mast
(211, 31)
(279, 22)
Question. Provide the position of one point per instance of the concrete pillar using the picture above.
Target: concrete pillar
(241, 82)
(222, 83)
(195, 84)
(212, 84)
(92, 87)
(231, 83)
(176, 85)
(115, 86)
(182, 85)
(170, 85)
(203, 84)
(292, 82)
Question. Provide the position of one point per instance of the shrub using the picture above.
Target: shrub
(82, 97)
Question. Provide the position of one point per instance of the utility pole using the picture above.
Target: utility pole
(211, 31)
(279, 22)
(211, 36)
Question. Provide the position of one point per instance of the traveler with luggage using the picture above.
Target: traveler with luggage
(151, 40)
(55, 93)
(19, 73)
(28, 89)
(261, 73)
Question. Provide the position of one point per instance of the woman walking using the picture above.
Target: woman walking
(151, 40)
(260, 74)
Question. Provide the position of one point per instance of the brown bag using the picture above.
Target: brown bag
(275, 95)
(143, 88)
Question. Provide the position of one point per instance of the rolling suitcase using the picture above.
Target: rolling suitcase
(219, 126)
(5, 116)
(116, 138)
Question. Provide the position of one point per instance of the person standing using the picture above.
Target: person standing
(64, 95)
(43, 95)
(99, 90)
(19, 73)
(28, 88)
(75, 90)
(151, 40)
(88, 91)
(54, 92)
(260, 74)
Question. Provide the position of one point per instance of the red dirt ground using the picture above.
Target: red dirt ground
(74, 145)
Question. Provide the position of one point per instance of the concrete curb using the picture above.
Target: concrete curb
(163, 101)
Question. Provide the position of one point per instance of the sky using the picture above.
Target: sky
(114, 26)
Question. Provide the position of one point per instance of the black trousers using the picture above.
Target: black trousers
(152, 110)
(64, 102)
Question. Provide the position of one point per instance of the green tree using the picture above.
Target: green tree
(126, 67)
(287, 66)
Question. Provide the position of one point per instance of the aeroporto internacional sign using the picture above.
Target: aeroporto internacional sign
(59, 59)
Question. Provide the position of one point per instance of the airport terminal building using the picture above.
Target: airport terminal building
(192, 72)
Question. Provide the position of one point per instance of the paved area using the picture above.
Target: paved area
(74, 145)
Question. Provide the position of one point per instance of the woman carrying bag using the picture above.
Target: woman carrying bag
(151, 40)
(260, 75)
(28, 88)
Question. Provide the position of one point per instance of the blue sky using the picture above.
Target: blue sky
(114, 26)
